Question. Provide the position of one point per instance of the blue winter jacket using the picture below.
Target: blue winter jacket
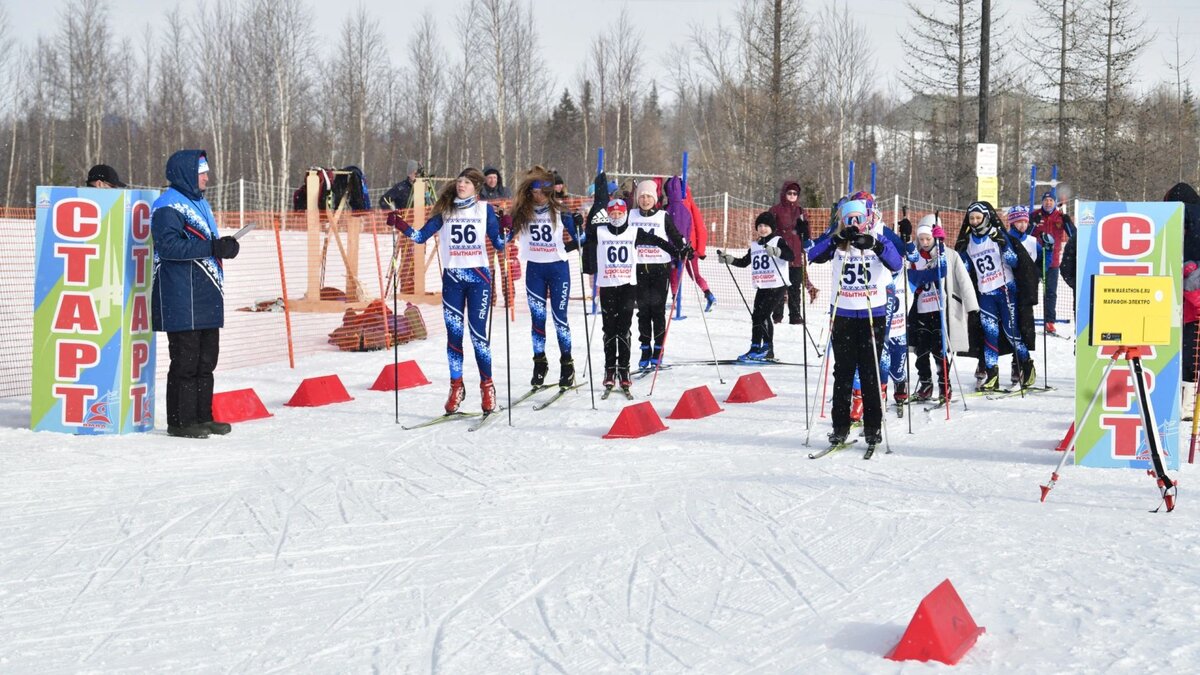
(187, 293)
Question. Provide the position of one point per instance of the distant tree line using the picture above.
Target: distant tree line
(783, 90)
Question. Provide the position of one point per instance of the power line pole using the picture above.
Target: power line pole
(984, 58)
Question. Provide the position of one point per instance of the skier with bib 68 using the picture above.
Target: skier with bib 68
(767, 259)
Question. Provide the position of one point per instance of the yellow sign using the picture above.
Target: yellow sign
(989, 190)
(1131, 310)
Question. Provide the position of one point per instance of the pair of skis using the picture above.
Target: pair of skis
(838, 447)
(481, 418)
(484, 418)
(624, 390)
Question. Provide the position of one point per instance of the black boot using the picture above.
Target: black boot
(218, 428)
(566, 371)
(610, 377)
(873, 437)
(540, 368)
(838, 435)
(623, 378)
(190, 431)
(991, 379)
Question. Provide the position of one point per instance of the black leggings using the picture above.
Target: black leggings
(616, 313)
(765, 302)
(190, 378)
(652, 283)
(853, 349)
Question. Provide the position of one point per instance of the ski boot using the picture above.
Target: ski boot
(566, 371)
(753, 354)
(644, 362)
(610, 377)
(838, 435)
(1028, 374)
(487, 392)
(768, 352)
(924, 391)
(991, 379)
(901, 397)
(856, 406)
(709, 301)
(1050, 329)
(540, 368)
(873, 437)
(624, 380)
(457, 394)
(980, 374)
(656, 356)
(1015, 377)
(218, 428)
(796, 320)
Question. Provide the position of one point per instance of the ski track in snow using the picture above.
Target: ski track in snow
(328, 539)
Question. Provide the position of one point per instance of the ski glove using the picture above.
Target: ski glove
(773, 251)
(867, 242)
(226, 247)
(724, 257)
(996, 234)
(395, 220)
(1047, 239)
(939, 233)
(845, 234)
(687, 253)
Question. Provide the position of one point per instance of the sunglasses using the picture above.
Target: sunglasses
(792, 193)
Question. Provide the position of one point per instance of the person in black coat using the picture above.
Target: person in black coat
(187, 298)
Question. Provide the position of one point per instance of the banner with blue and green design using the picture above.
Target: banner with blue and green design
(93, 342)
(1127, 238)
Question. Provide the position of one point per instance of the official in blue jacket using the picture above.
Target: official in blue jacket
(188, 301)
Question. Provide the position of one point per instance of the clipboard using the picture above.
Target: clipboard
(242, 232)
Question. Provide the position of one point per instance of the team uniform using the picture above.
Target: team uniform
(466, 278)
(992, 260)
(653, 279)
(925, 278)
(611, 256)
(770, 284)
(861, 278)
(541, 245)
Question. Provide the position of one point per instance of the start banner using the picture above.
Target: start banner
(93, 342)
(1128, 239)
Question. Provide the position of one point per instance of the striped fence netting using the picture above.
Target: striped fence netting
(353, 261)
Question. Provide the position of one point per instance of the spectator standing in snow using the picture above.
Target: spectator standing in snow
(1053, 228)
(791, 223)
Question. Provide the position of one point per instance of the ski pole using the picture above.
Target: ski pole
(713, 349)
(828, 351)
(586, 332)
(662, 348)
(907, 360)
(878, 375)
(392, 330)
(738, 287)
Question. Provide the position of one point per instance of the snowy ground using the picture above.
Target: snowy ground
(328, 539)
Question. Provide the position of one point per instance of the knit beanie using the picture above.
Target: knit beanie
(646, 187)
(765, 218)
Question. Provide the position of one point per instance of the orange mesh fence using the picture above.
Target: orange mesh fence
(330, 271)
